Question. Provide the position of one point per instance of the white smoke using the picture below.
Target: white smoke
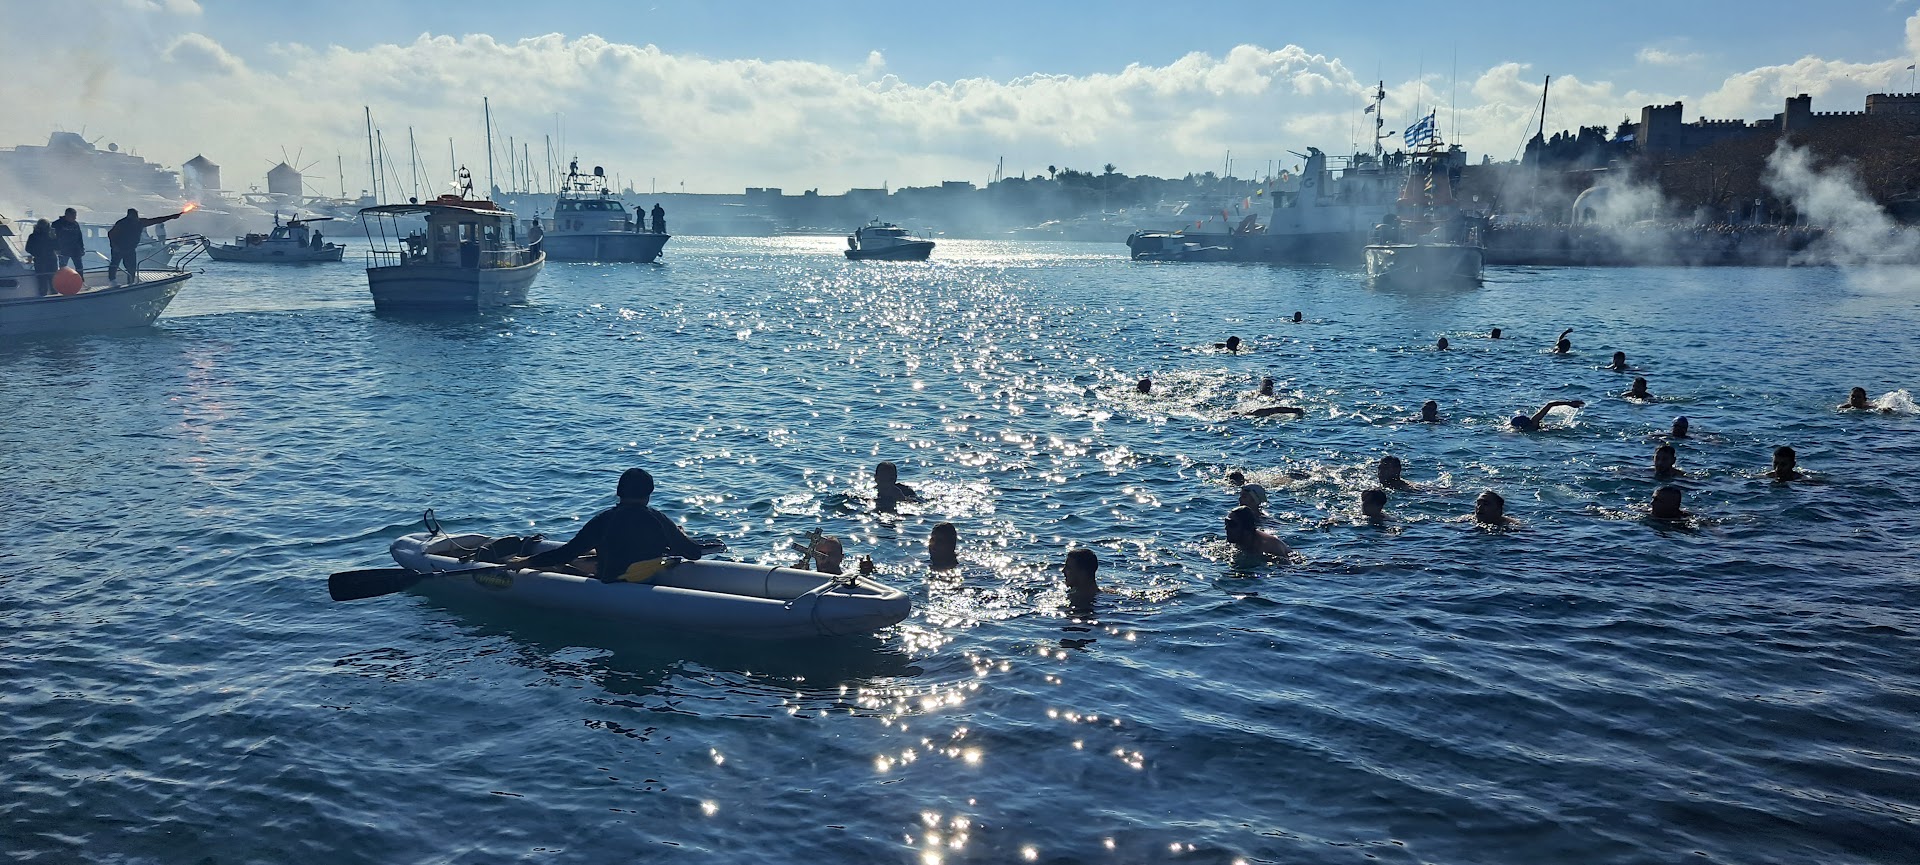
(1858, 232)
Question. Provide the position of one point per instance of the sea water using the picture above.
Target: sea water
(1587, 686)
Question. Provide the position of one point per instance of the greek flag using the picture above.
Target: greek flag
(1423, 131)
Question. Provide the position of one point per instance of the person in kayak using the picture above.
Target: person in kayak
(629, 532)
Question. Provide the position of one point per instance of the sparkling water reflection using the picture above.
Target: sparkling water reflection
(1586, 686)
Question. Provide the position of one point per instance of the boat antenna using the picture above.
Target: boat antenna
(487, 109)
(1379, 122)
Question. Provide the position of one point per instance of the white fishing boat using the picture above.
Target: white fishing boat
(290, 243)
(470, 257)
(97, 305)
(590, 224)
(884, 241)
(733, 599)
(1428, 241)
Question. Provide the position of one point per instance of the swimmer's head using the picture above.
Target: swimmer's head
(1857, 398)
(1680, 427)
(1296, 316)
(829, 555)
(1266, 386)
(1563, 346)
(1429, 411)
(1494, 334)
(1389, 470)
(1664, 458)
(1237, 478)
(1233, 343)
(886, 474)
(1666, 504)
(1253, 495)
(1619, 360)
(1639, 387)
(1240, 524)
(1490, 508)
(1145, 386)
(1442, 344)
(1373, 503)
(943, 543)
(1784, 461)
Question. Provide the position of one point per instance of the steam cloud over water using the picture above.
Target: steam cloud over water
(1858, 231)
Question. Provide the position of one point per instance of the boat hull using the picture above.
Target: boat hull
(94, 310)
(270, 254)
(1424, 264)
(1334, 247)
(608, 247)
(732, 599)
(449, 288)
(911, 251)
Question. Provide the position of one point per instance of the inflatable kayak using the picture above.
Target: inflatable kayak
(735, 599)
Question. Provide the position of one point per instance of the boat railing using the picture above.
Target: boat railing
(492, 258)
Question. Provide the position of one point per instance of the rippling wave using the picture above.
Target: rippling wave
(1588, 686)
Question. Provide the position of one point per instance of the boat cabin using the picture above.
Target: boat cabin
(460, 232)
(590, 214)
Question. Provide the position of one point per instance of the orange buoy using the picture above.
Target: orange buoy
(67, 281)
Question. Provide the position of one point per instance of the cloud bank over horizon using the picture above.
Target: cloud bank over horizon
(155, 83)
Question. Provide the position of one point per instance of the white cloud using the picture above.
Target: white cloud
(1652, 56)
(720, 124)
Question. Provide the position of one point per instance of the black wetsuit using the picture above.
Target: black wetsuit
(623, 534)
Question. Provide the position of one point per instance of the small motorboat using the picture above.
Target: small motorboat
(884, 241)
(291, 243)
(470, 259)
(93, 302)
(733, 599)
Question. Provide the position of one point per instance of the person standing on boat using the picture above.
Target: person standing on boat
(40, 246)
(123, 242)
(69, 241)
(627, 533)
(659, 219)
(534, 234)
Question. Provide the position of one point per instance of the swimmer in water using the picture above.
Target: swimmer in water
(1785, 465)
(1253, 496)
(1145, 386)
(1494, 334)
(1619, 362)
(1491, 510)
(1389, 473)
(1442, 344)
(1664, 459)
(943, 547)
(828, 556)
(1429, 412)
(1638, 391)
(888, 488)
(1232, 344)
(1373, 505)
(1680, 427)
(1530, 424)
(1856, 401)
(1266, 386)
(1563, 345)
(1243, 531)
(1296, 317)
(1666, 504)
(1237, 478)
(1266, 389)
(1078, 573)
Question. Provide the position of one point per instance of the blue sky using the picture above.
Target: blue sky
(840, 94)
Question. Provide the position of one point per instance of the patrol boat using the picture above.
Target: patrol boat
(590, 224)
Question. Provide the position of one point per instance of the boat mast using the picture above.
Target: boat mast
(1379, 122)
(413, 163)
(487, 110)
(1543, 107)
(373, 177)
(340, 171)
(513, 168)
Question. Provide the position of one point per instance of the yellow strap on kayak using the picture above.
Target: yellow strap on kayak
(642, 571)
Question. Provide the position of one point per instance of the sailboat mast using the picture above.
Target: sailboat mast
(373, 178)
(1543, 107)
(340, 171)
(413, 163)
(487, 110)
(1379, 121)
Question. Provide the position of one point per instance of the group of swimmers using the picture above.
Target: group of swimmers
(1243, 522)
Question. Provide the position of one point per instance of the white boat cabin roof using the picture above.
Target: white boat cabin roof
(571, 205)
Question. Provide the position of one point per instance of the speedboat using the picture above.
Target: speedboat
(733, 599)
(589, 224)
(884, 241)
(96, 305)
(1175, 246)
(470, 257)
(291, 243)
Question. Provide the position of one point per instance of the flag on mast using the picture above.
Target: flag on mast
(1423, 131)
